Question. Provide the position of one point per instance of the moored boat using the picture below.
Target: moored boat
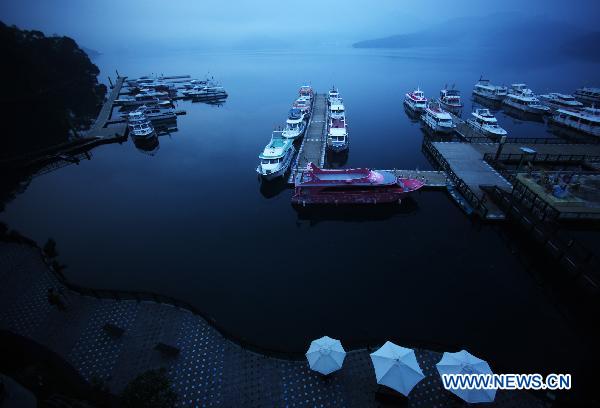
(450, 100)
(586, 120)
(303, 104)
(157, 112)
(337, 129)
(486, 123)
(438, 119)
(276, 157)
(295, 125)
(139, 125)
(332, 94)
(415, 100)
(316, 186)
(522, 98)
(306, 91)
(588, 95)
(485, 89)
(206, 92)
(561, 101)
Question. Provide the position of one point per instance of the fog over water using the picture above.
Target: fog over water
(192, 221)
(119, 25)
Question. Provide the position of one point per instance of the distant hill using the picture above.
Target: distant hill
(507, 35)
(50, 88)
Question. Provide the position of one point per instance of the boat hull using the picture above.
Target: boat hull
(304, 197)
(281, 171)
(537, 110)
(413, 106)
(491, 97)
(338, 148)
(576, 126)
(435, 127)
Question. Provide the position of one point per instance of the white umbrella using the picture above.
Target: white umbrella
(464, 362)
(396, 367)
(325, 355)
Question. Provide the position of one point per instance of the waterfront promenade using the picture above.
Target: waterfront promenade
(209, 370)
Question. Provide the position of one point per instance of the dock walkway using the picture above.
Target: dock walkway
(315, 140)
(99, 128)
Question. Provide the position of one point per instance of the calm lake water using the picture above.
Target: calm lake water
(193, 221)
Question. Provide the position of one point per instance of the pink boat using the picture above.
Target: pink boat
(350, 186)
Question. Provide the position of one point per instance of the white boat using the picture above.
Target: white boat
(306, 91)
(337, 128)
(295, 125)
(205, 92)
(303, 104)
(139, 125)
(438, 119)
(586, 120)
(561, 101)
(332, 94)
(522, 98)
(588, 95)
(157, 112)
(276, 158)
(486, 123)
(415, 100)
(450, 99)
(485, 89)
(137, 100)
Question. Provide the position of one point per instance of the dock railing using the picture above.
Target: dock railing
(478, 203)
(571, 254)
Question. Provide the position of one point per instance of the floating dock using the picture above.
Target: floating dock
(468, 171)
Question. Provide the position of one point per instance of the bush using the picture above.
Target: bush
(149, 390)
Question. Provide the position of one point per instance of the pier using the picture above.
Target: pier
(101, 127)
(467, 168)
(314, 143)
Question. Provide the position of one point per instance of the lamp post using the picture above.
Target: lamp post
(526, 151)
(500, 146)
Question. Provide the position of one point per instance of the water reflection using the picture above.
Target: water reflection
(480, 102)
(213, 102)
(272, 188)
(335, 160)
(313, 215)
(413, 116)
(147, 146)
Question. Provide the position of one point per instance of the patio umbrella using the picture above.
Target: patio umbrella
(325, 355)
(464, 362)
(396, 367)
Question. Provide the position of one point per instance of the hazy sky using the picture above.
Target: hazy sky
(113, 24)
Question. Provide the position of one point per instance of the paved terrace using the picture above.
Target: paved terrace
(209, 371)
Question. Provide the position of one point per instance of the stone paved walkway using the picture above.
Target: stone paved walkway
(210, 371)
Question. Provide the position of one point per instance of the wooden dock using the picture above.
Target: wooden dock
(466, 132)
(99, 128)
(466, 168)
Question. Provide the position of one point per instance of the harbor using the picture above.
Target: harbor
(222, 285)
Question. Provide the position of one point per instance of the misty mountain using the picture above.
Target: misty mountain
(506, 35)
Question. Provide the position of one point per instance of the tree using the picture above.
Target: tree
(151, 389)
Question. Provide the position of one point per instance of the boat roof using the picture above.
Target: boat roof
(417, 95)
(316, 177)
(591, 114)
(451, 92)
(439, 112)
(277, 147)
(295, 114)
